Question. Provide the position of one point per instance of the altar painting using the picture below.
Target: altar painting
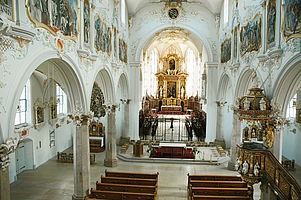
(171, 89)
(55, 15)
(7, 7)
(271, 23)
(250, 36)
(87, 22)
(226, 50)
(122, 51)
(291, 21)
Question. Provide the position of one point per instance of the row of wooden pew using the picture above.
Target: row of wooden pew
(126, 185)
(217, 187)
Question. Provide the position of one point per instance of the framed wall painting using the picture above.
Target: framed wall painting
(226, 50)
(271, 23)
(8, 8)
(55, 16)
(235, 41)
(291, 23)
(251, 36)
(87, 22)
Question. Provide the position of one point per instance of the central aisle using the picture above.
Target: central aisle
(54, 180)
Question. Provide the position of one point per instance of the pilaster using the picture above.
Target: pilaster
(212, 69)
(236, 134)
(219, 124)
(81, 157)
(126, 128)
(111, 153)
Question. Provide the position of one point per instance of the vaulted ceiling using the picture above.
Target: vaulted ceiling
(134, 6)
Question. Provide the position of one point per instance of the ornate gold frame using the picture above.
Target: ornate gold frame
(256, 52)
(296, 35)
(227, 38)
(41, 25)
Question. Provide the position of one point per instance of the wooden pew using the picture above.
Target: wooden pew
(131, 175)
(226, 184)
(129, 181)
(126, 188)
(220, 191)
(203, 197)
(112, 195)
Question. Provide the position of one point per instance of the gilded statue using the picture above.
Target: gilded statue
(270, 137)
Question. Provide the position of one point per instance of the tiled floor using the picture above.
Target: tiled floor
(54, 180)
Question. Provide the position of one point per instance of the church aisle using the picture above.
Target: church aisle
(54, 180)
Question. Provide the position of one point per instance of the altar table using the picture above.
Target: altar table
(172, 150)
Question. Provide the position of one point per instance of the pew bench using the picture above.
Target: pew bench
(220, 191)
(131, 175)
(129, 181)
(203, 197)
(112, 195)
(126, 188)
(226, 184)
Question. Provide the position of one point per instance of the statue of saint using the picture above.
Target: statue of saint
(256, 169)
(237, 164)
(245, 167)
(263, 105)
(270, 137)
(161, 92)
(182, 92)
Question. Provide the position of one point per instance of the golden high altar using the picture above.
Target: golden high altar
(171, 90)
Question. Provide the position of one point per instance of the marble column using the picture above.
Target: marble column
(4, 183)
(235, 140)
(126, 128)
(212, 71)
(135, 96)
(219, 124)
(81, 158)
(111, 158)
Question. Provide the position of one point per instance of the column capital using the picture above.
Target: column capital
(212, 65)
(221, 103)
(125, 101)
(82, 119)
(111, 108)
(7, 148)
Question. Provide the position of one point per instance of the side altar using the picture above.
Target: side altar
(171, 85)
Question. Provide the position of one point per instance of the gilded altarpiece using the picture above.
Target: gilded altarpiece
(171, 89)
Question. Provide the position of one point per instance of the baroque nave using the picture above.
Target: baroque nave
(150, 99)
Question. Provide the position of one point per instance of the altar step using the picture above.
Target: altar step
(128, 158)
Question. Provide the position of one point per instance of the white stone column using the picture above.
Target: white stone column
(219, 124)
(126, 128)
(21, 15)
(135, 96)
(81, 158)
(236, 139)
(277, 146)
(211, 101)
(111, 155)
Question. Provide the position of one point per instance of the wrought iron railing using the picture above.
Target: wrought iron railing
(262, 164)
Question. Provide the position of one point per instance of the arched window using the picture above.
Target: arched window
(61, 99)
(291, 108)
(226, 12)
(122, 12)
(23, 108)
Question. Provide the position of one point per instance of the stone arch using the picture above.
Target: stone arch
(223, 85)
(123, 86)
(68, 71)
(105, 82)
(196, 36)
(289, 81)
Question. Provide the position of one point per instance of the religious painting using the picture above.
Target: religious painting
(7, 7)
(250, 36)
(235, 42)
(291, 20)
(55, 15)
(97, 102)
(115, 42)
(172, 64)
(39, 114)
(53, 111)
(99, 32)
(108, 40)
(122, 51)
(226, 50)
(171, 89)
(271, 23)
(87, 22)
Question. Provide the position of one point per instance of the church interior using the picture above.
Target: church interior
(150, 99)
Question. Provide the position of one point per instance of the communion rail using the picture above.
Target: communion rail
(270, 170)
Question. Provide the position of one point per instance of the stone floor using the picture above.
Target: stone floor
(54, 180)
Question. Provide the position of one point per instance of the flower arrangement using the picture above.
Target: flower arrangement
(195, 150)
(150, 148)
